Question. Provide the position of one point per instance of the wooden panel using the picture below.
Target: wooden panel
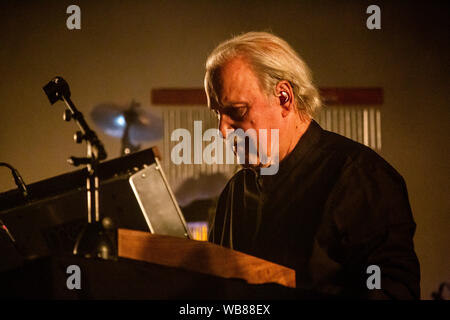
(330, 96)
(352, 96)
(178, 96)
(200, 256)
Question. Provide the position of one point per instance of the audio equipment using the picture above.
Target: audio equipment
(284, 97)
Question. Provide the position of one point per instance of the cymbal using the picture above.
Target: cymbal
(144, 125)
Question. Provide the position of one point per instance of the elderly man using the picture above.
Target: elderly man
(335, 211)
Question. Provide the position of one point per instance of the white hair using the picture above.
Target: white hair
(272, 60)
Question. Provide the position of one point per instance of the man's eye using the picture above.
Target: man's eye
(235, 113)
(239, 113)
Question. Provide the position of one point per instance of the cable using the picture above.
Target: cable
(3, 226)
(17, 179)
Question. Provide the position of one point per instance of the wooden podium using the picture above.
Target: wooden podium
(153, 267)
(200, 256)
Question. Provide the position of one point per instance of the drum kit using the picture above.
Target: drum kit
(134, 126)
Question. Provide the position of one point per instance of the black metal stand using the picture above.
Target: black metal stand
(92, 241)
(131, 118)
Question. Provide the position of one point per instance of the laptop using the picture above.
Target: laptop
(158, 203)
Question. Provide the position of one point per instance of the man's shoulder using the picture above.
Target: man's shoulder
(334, 143)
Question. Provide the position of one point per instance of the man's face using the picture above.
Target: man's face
(244, 105)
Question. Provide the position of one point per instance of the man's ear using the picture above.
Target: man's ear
(285, 96)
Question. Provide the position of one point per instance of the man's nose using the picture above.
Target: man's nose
(225, 124)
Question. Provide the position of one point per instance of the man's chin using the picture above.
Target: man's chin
(247, 163)
(251, 162)
(255, 163)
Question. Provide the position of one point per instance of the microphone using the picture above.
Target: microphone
(17, 179)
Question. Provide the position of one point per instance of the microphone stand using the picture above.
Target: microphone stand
(131, 118)
(92, 242)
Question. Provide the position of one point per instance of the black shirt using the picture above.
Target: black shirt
(334, 208)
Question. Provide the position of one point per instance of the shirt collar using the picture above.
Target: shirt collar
(304, 145)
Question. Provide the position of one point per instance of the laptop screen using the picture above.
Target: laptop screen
(158, 203)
